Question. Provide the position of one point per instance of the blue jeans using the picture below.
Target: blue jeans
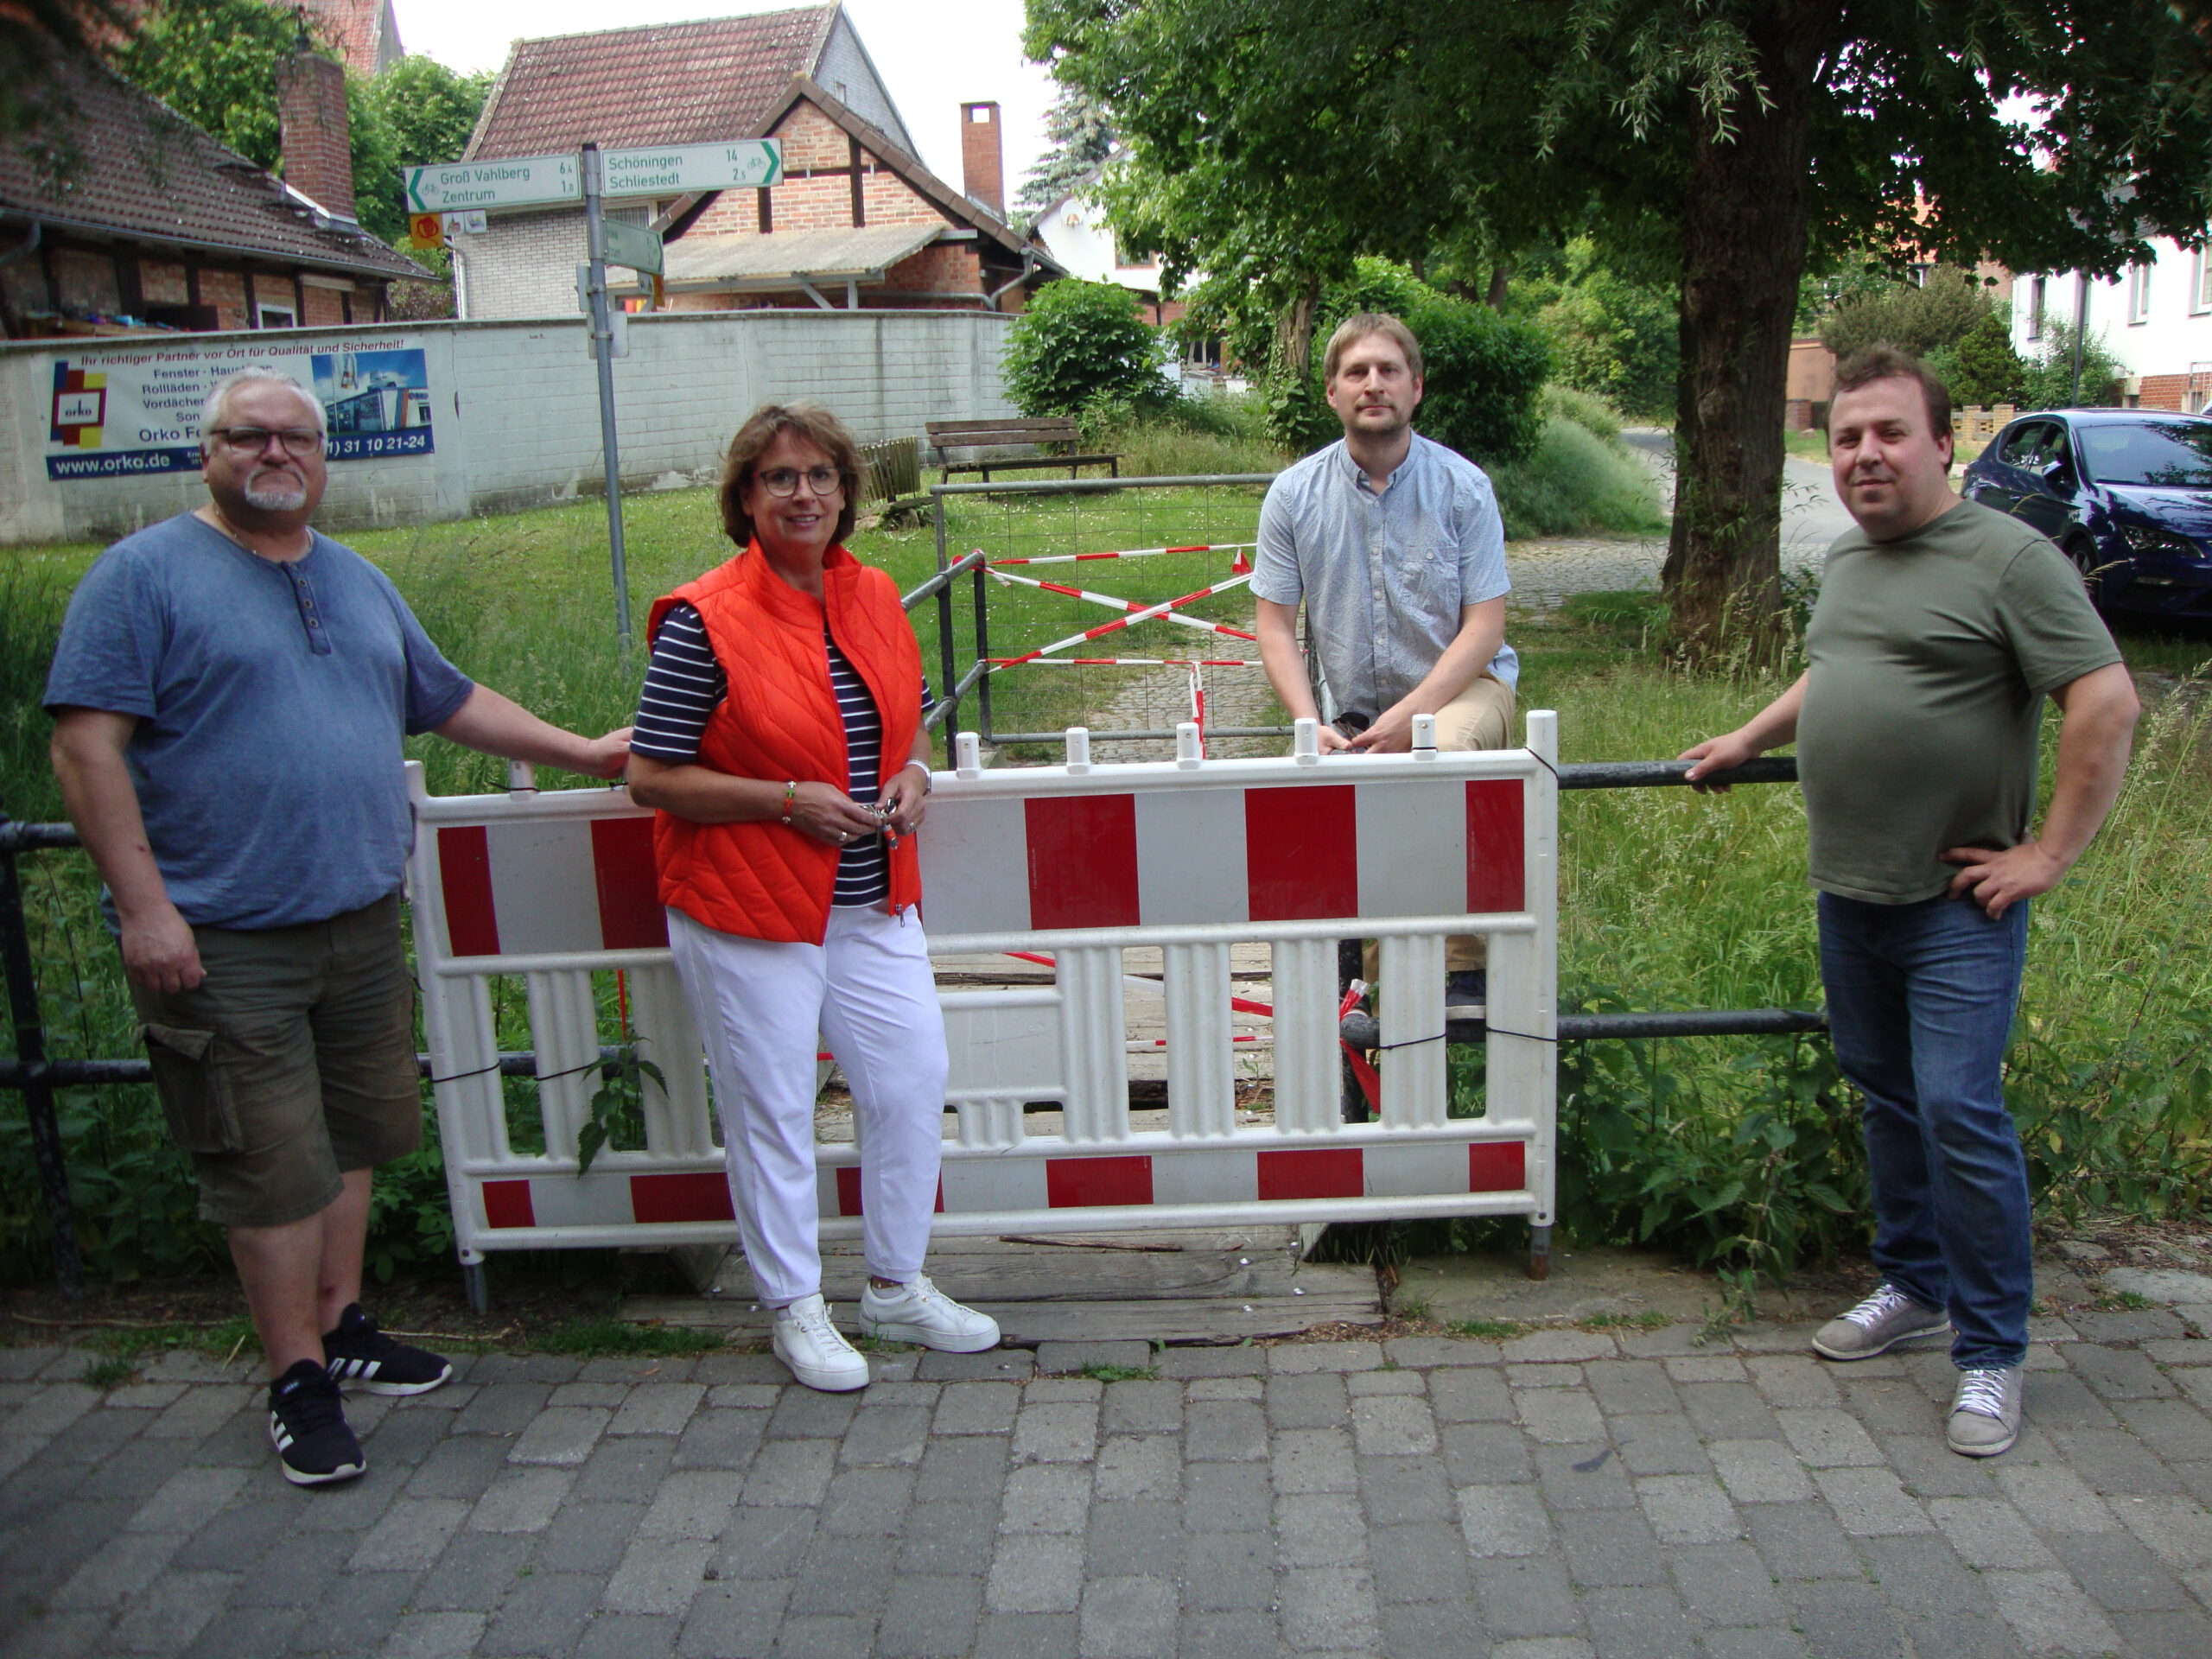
(1920, 1002)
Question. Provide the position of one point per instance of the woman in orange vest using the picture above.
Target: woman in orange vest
(779, 738)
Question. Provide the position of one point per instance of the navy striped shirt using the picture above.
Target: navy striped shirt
(683, 687)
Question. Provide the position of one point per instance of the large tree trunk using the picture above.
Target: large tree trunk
(1294, 332)
(1744, 252)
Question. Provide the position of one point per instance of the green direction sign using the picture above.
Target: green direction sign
(676, 169)
(631, 245)
(522, 182)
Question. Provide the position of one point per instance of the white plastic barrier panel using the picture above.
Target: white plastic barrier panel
(1080, 862)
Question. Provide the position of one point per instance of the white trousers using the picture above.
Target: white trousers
(868, 990)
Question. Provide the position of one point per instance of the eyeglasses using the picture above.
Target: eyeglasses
(784, 481)
(253, 439)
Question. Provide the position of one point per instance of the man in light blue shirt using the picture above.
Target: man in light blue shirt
(1394, 544)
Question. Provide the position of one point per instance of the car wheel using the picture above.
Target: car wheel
(2089, 562)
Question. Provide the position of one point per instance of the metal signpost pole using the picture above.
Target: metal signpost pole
(602, 336)
(2080, 327)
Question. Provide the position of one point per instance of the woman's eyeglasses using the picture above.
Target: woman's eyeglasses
(784, 481)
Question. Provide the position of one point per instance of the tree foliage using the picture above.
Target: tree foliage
(1919, 317)
(1273, 140)
(1080, 343)
(1481, 371)
(40, 39)
(2048, 381)
(1612, 332)
(1079, 139)
(215, 62)
(1982, 368)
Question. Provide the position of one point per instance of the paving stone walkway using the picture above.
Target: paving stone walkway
(1567, 1494)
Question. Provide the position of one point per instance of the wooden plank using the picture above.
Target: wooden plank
(1212, 1285)
(1023, 1324)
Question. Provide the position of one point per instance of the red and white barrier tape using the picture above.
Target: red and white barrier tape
(1114, 604)
(1133, 553)
(1166, 607)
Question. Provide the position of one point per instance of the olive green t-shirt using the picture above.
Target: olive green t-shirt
(1930, 658)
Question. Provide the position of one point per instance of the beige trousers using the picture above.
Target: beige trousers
(1480, 717)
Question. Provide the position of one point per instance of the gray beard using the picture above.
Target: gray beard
(288, 497)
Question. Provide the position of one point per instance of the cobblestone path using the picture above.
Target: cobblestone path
(1567, 1496)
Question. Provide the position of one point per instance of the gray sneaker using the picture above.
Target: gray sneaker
(1876, 1324)
(1986, 1411)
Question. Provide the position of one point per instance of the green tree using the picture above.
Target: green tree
(1080, 343)
(1921, 317)
(1982, 369)
(216, 61)
(1723, 139)
(1079, 139)
(1611, 334)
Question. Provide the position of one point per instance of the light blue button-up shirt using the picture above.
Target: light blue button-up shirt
(1384, 573)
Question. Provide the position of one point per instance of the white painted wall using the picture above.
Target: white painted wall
(2154, 319)
(1076, 234)
(515, 409)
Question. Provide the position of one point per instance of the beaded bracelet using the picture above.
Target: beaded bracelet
(791, 794)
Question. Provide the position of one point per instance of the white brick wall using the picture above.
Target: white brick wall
(521, 265)
(515, 410)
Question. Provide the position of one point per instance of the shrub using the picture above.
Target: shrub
(2048, 381)
(1079, 343)
(1919, 318)
(1575, 483)
(1586, 409)
(1982, 369)
(1610, 334)
(1482, 370)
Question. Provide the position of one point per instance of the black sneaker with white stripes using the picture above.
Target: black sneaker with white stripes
(359, 1354)
(307, 1425)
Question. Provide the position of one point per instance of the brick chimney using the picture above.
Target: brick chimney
(311, 121)
(982, 165)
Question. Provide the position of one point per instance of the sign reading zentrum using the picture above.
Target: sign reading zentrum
(549, 181)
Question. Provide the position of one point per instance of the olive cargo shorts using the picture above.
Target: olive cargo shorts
(293, 1061)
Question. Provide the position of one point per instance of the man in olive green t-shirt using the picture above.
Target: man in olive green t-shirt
(1940, 628)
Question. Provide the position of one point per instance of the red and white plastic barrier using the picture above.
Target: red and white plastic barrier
(1077, 862)
(1239, 548)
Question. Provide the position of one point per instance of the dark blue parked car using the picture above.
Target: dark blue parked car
(2126, 492)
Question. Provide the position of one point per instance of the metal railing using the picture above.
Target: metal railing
(37, 1078)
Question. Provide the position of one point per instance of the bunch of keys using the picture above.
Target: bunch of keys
(881, 812)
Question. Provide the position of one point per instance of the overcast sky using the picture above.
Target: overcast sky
(934, 55)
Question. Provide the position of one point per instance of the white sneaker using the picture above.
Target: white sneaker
(921, 1313)
(818, 1356)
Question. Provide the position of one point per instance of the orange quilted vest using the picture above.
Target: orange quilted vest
(764, 879)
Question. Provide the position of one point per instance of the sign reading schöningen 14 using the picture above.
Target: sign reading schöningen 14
(677, 169)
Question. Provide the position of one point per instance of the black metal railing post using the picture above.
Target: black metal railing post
(945, 650)
(38, 1095)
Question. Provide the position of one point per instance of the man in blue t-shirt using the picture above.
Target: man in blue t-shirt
(229, 695)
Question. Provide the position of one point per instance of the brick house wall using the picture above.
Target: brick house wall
(2168, 392)
(523, 265)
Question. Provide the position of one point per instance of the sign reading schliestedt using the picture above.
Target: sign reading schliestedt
(677, 169)
(520, 182)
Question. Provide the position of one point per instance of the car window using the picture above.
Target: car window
(2027, 447)
(2175, 454)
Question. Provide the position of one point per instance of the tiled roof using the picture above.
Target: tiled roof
(145, 174)
(834, 256)
(668, 84)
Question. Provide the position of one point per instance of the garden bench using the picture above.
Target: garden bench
(1058, 430)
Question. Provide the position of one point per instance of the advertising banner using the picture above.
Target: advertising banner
(122, 411)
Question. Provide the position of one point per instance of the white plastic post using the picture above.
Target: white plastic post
(1306, 742)
(521, 780)
(1425, 735)
(1190, 746)
(1078, 749)
(967, 756)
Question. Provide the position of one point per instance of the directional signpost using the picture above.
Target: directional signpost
(592, 177)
